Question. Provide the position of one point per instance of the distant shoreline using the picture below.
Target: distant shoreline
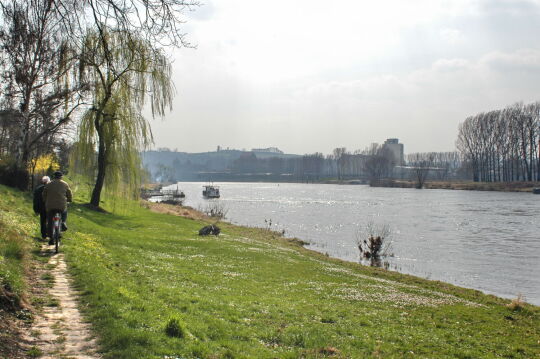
(397, 183)
(465, 185)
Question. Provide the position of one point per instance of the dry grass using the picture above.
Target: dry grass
(516, 304)
(182, 211)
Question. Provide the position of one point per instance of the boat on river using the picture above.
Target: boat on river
(210, 191)
(169, 196)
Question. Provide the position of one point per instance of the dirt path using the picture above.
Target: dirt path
(58, 330)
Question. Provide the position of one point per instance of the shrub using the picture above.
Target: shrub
(174, 328)
(373, 242)
(12, 176)
(215, 209)
(34, 352)
(517, 304)
(12, 250)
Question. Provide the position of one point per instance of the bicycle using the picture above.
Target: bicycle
(56, 222)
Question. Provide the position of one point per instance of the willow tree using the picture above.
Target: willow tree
(125, 72)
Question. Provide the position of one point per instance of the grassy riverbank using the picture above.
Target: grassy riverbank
(249, 293)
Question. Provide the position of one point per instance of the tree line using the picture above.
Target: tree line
(502, 145)
(75, 76)
(373, 164)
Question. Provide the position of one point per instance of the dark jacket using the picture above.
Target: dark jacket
(39, 204)
(56, 195)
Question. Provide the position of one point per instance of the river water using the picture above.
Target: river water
(488, 241)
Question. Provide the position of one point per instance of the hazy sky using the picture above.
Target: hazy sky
(312, 75)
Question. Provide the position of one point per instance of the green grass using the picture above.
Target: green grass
(152, 288)
(16, 230)
(34, 352)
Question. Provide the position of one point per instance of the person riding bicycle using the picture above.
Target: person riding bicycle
(56, 195)
(39, 205)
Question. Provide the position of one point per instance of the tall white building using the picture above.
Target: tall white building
(397, 149)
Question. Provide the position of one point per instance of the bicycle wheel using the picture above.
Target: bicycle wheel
(56, 232)
(56, 241)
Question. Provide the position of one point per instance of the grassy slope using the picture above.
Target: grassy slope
(16, 246)
(247, 294)
(16, 243)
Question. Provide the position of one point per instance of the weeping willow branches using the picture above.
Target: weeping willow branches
(125, 71)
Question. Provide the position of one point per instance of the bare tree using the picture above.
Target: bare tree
(339, 155)
(502, 145)
(313, 165)
(42, 38)
(446, 164)
(157, 21)
(466, 144)
(39, 94)
(378, 163)
(421, 164)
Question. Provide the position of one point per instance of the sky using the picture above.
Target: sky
(310, 75)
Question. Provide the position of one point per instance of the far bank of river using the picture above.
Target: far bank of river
(465, 185)
(527, 187)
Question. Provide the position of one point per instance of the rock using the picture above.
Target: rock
(207, 230)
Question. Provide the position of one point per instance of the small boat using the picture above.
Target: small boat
(536, 190)
(169, 196)
(210, 191)
(173, 196)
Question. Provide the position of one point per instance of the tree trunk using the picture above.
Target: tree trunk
(538, 163)
(101, 166)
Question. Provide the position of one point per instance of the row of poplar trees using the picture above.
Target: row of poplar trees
(81, 71)
(503, 145)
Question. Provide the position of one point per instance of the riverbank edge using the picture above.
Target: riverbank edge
(194, 214)
(526, 187)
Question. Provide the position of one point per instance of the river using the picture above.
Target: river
(488, 241)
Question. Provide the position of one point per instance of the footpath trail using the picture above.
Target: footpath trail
(59, 330)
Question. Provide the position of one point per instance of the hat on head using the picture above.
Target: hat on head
(45, 179)
(58, 174)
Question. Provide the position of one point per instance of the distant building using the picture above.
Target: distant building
(267, 150)
(397, 149)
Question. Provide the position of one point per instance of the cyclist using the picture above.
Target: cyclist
(39, 205)
(56, 195)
